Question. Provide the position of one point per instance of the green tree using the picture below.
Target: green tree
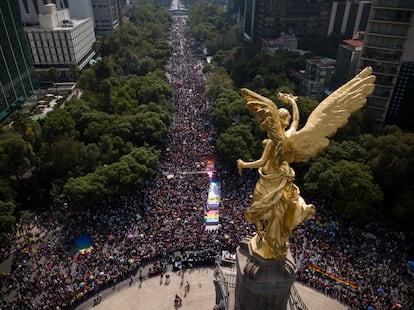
(15, 155)
(163, 111)
(106, 89)
(7, 192)
(352, 130)
(114, 179)
(63, 156)
(117, 177)
(104, 69)
(85, 191)
(93, 124)
(227, 112)
(130, 172)
(152, 88)
(335, 152)
(359, 195)
(56, 196)
(112, 148)
(7, 221)
(403, 211)
(147, 127)
(348, 150)
(236, 142)
(218, 80)
(122, 128)
(89, 158)
(74, 71)
(219, 57)
(29, 130)
(53, 74)
(212, 26)
(88, 80)
(348, 185)
(58, 123)
(242, 72)
(391, 158)
(26, 217)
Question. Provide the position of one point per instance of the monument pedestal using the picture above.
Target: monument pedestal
(262, 283)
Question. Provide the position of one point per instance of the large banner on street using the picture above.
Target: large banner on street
(211, 209)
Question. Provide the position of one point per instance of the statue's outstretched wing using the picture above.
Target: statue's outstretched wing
(331, 114)
(266, 112)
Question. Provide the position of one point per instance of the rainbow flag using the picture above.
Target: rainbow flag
(211, 208)
(332, 276)
(211, 217)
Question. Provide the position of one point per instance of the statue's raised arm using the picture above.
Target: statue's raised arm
(277, 206)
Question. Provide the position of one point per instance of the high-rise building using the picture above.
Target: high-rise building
(60, 42)
(401, 105)
(268, 19)
(348, 17)
(388, 45)
(81, 9)
(347, 59)
(107, 15)
(17, 75)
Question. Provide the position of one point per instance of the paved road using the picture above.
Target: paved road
(156, 295)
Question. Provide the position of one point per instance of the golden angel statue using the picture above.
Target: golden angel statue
(277, 206)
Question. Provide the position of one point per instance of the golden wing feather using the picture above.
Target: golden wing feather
(331, 114)
(266, 112)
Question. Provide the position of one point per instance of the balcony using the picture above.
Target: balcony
(392, 30)
(396, 48)
(381, 68)
(384, 81)
(391, 19)
(387, 56)
(396, 4)
(395, 16)
(381, 60)
(382, 92)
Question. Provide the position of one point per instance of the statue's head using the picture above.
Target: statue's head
(284, 117)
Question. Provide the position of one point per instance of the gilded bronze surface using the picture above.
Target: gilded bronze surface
(277, 206)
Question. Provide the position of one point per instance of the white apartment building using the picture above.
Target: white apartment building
(59, 41)
(315, 81)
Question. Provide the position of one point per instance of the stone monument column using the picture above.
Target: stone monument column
(262, 283)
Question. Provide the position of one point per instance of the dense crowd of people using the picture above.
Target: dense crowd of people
(363, 266)
(159, 219)
(166, 216)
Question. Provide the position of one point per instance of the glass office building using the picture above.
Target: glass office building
(17, 75)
